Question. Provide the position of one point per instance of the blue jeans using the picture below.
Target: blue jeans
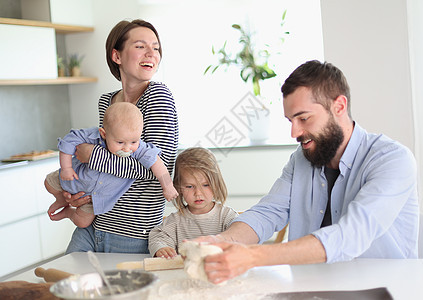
(90, 239)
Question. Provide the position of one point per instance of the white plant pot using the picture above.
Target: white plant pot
(259, 126)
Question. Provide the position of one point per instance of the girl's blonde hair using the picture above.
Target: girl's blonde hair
(198, 159)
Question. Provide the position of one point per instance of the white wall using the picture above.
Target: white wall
(84, 98)
(415, 26)
(378, 45)
(368, 40)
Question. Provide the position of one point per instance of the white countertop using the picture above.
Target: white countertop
(402, 278)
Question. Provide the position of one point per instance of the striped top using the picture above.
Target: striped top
(178, 227)
(141, 207)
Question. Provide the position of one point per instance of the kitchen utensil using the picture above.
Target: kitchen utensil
(130, 265)
(153, 264)
(96, 264)
(12, 290)
(132, 284)
(161, 263)
(51, 275)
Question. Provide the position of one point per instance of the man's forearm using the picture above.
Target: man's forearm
(305, 250)
(240, 232)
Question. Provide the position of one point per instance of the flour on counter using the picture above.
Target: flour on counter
(193, 289)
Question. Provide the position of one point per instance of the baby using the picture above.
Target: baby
(121, 135)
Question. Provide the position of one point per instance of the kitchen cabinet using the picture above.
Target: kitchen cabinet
(58, 28)
(28, 235)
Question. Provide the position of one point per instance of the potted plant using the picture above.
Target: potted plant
(252, 62)
(75, 64)
(60, 66)
(254, 67)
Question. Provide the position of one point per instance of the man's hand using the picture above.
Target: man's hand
(83, 152)
(235, 260)
(166, 252)
(76, 200)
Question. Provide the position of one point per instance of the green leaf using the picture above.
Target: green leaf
(236, 26)
(284, 15)
(208, 68)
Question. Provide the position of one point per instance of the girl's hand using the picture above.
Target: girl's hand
(76, 200)
(166, 252)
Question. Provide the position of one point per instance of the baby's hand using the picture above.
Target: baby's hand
(68, 174)
(170, 192)
(166, 252)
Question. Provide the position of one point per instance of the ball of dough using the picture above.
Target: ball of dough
(195, 253)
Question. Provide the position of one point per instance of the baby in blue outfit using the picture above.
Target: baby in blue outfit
(123, 125)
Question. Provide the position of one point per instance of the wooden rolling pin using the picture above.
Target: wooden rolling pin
(51, 275)
(161, 263)
(153, 264)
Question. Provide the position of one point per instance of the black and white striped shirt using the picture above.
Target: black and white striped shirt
(141, 207)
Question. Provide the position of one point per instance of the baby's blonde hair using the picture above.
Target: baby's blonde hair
(198, 159)
(123, 114)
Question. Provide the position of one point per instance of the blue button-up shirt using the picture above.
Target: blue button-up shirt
(105, 189)
(374, 202)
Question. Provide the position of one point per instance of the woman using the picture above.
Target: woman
(133, 52)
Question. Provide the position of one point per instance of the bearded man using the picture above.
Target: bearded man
(345, 193)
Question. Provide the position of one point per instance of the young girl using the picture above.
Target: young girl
(202, 193)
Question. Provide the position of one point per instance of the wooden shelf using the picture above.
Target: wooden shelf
(60, 28)
(59, 80)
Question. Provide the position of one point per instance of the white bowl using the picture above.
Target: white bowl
(126, 284)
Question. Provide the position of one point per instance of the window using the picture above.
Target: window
(189, 29)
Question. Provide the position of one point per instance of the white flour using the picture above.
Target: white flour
(192, 289)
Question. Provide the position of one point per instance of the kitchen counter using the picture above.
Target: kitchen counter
(402, 278)
(7, 165)
(28, 235)
(14, 164)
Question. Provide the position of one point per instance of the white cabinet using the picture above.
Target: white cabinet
(18, 62)
(27, 234)
(28, 53)
(71, 12)
(20, 245)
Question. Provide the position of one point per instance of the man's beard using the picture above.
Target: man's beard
(326, 144)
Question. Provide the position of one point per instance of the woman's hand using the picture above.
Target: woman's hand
(166, 252)
(83, 152)
(76, 200)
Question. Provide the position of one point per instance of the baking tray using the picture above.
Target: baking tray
(33, 155)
